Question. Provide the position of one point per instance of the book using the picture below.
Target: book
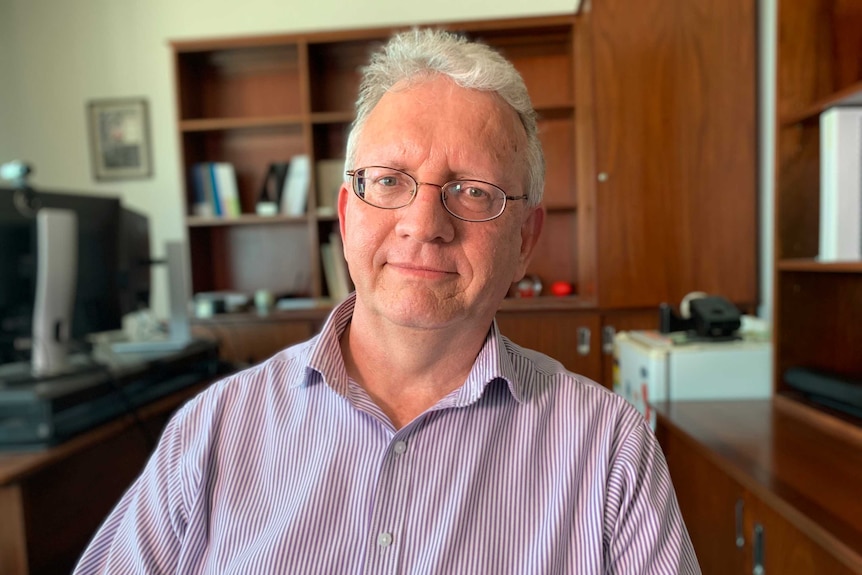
(270, 192)
(227, 192)
(327, 258)
(330, 176)
(210, 178)
(345, 284)
(294, 195)
(335, 270)
(841, 184)
(202, 204)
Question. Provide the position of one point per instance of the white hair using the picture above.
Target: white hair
(418, 53)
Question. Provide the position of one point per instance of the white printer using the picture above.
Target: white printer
(650, 367)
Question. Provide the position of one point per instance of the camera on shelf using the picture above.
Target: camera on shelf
(16, 172)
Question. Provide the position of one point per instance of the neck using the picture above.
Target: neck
(406, 371)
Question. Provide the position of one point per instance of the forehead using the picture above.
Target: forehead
(434, 121)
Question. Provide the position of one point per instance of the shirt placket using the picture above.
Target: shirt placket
(388, 521)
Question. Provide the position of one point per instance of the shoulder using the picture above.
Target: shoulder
(537, 375)
(585, 406)
(247, 392)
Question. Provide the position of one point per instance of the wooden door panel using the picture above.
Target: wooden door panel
(787, 550)
(708, 501)
(555, 333)
(675, 109)
(622, 320)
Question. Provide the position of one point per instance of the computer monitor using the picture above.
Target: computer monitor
(17, 277)
(112, 273)
(135, 261)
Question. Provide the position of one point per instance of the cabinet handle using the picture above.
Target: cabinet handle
(608, 333)
(740, 531)
(758, 568)
(583, 341)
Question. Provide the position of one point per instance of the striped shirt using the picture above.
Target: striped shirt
(290, 467)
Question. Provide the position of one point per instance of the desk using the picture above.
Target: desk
(52, 501)
(756, 483)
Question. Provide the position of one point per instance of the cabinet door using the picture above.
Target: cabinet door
(616, 321)
(570, 337)
(778, 547)
(675, 139)
(249, 342)
(711, 505)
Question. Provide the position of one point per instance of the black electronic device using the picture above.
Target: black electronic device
(838, 392)
(714, 317)
(112, 272)
(134, 276)
(710, 317)
(37, 412)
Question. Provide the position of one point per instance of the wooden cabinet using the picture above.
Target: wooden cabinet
(711, 502)
(569, 336)
(249, 338)
(618, 320)
(817, 305)
(675, 150)
(759, 487)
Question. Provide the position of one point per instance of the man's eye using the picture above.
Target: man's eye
(388, 181)
(470, 192)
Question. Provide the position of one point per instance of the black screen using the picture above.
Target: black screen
(17, 277)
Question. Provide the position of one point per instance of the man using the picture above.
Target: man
(410, 436)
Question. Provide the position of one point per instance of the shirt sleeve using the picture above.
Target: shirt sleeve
(145, 531)
(644, 530)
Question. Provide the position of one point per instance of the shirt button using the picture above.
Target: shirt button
(384, 539)
(400, 447)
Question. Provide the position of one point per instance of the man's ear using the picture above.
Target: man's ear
(531, 229)
(343, 196)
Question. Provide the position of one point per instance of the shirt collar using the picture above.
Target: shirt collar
(492, 363)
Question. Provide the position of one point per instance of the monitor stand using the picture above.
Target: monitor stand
(179, 296)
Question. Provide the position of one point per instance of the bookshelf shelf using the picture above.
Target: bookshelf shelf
(816, 304)
(332, 117)
(815, 266)
(848, 96)
(244, 220)
(214, 124)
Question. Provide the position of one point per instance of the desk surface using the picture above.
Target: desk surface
(794, 465)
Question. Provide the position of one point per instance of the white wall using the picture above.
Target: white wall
(6, 104)
(56, 55)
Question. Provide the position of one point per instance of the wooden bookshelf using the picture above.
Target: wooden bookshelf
(255, 100)
(817, 305)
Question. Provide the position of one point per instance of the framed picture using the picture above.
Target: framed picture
(119, 139)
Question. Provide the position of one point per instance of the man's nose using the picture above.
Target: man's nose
(426, 218)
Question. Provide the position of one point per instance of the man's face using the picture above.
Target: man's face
(419, 266)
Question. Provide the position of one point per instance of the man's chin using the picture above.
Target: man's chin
(422, 309)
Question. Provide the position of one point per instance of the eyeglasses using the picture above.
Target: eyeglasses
(468, 200)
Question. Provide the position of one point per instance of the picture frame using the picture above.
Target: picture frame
(119, 139)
